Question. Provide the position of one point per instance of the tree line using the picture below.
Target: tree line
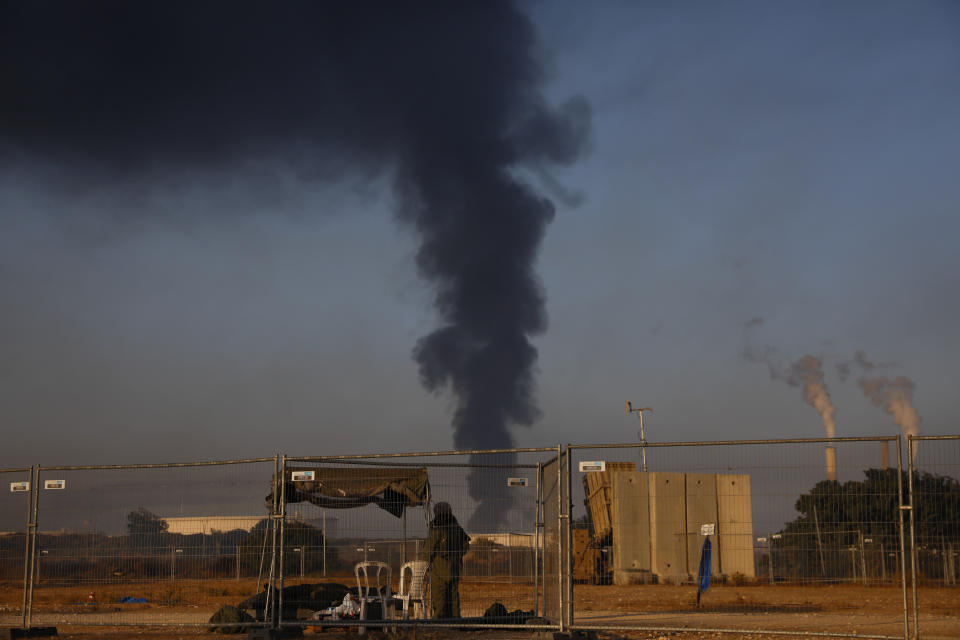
(843, 526)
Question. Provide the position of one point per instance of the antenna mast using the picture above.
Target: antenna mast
(643, 436)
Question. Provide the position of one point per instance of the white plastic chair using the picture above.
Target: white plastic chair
(373, 585)
(413, 589)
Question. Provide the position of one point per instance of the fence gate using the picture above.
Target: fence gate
(934, 478)
(16, 515)
(555, 528)
(149, 545)
(749, 536)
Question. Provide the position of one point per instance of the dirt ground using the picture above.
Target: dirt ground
(668, 612)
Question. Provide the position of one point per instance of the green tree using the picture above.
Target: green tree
(143, 522)
(145, 528)
(296, 535)
(835, 519)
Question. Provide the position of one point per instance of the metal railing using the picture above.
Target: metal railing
(778, 520)
(496, 497)
(145, 545)
(807, 537)
(934, 497)
(16, 521)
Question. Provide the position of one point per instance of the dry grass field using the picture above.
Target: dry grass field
(669, 611)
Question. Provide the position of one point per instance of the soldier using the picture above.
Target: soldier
(446, 544)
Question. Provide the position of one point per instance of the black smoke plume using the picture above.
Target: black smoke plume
(445, 95)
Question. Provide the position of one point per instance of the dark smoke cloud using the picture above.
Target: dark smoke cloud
(843, 371)
(446, 95)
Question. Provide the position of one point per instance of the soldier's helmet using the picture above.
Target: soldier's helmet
(442, 510)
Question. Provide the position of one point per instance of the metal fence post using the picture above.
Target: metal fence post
(271, 585)
(27, 546)
(568, 533)
(283, 520)
(913, 539)
(903, 551)
(33, 544)
(560, 514)
(537, 531)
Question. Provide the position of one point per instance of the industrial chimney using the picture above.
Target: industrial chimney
(831, 463)
(884, 455)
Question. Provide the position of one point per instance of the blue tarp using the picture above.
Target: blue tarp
(703, 574)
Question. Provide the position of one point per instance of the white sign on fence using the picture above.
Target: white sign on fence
(54, 484)
(587, 466)
(708, 529)
(302, 476)
(516, 482)
(19, 486)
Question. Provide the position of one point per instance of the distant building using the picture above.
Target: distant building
(517, 540)
(208, 524)
(191, 525)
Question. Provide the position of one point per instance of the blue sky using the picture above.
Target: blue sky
(789, 161)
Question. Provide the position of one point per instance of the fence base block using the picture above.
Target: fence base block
(576, 635)
(274, 634)
(9, 633)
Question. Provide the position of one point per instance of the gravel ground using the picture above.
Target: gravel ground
(668, 612)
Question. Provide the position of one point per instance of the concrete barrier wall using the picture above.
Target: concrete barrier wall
(735, 524)
(631, 527)
(701, 509)
(667, 528)
(656, 521)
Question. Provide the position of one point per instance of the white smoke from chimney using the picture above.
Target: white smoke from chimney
(895, 397)
(807, 371)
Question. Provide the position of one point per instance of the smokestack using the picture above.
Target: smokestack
(884, 455)
(831, 463)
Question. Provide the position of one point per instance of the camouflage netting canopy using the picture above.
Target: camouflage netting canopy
(393, 489)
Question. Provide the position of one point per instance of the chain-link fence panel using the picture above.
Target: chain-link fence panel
(15, 517)
(162, 544)
(799, 535)
(934, 483)
(423, 538)
(555, 506)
